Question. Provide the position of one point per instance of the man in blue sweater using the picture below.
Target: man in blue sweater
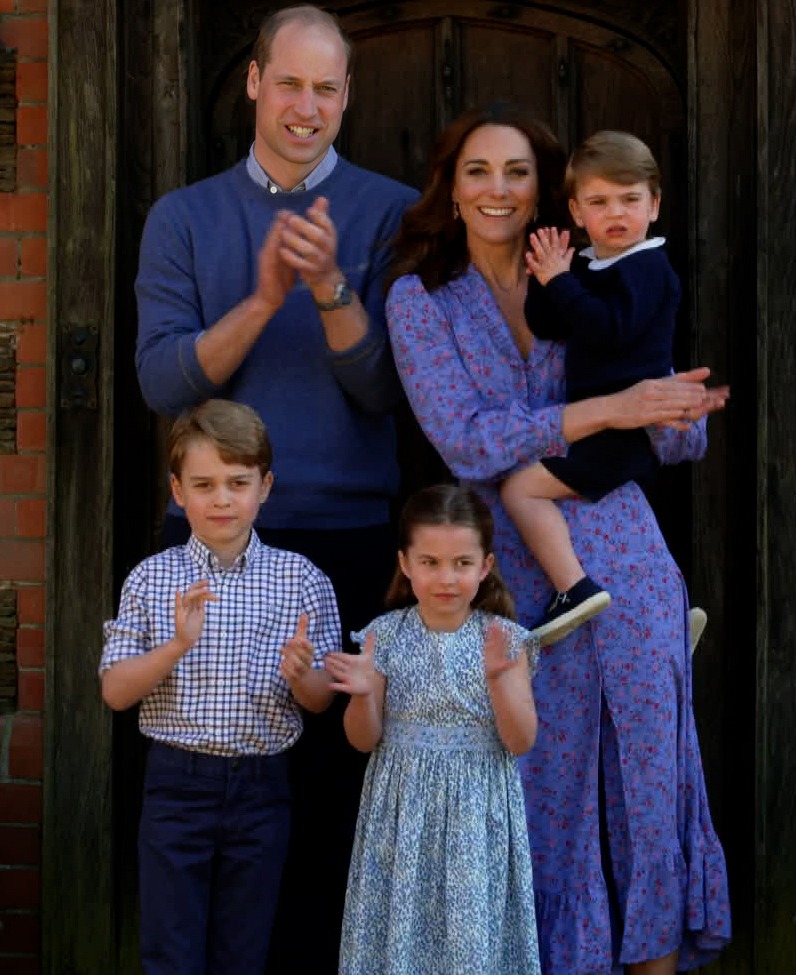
(264, 285)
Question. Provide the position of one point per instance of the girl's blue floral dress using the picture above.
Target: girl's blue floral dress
(440, 880)
(627, 866)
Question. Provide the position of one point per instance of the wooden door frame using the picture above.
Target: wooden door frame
(740, 130)
(77, 842)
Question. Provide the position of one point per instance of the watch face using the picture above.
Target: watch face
(341, 297)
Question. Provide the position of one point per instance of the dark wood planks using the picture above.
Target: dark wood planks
(78, 852)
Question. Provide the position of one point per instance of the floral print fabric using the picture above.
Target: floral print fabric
(627, 866)
(440, 879)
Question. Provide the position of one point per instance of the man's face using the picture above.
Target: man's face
(300, 99)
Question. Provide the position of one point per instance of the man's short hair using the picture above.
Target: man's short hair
(234, 429)
(305, 14)
(617, 157)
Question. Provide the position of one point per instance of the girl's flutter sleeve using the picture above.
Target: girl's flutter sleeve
(520, 641)
(384, 629)
(467, 400)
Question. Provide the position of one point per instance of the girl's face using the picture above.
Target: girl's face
(495, 185)
(445, 565)
(616, 216)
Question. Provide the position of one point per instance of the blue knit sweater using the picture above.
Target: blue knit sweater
(328, 413)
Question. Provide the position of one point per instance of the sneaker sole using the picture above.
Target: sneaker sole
(697, 621)
(559, 628)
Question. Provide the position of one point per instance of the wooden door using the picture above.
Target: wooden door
(417, 65)
(148, 94)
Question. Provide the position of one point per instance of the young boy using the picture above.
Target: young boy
(615, 305)
(222, 641)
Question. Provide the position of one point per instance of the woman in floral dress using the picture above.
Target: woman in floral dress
(628, 872)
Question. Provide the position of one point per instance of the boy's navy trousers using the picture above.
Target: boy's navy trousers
(212, 843)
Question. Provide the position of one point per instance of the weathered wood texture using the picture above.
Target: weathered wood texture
(775, 928)
(723, 213)
(78, 849)
(580, 65)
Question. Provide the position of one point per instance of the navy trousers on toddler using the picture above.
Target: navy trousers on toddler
(212, 843)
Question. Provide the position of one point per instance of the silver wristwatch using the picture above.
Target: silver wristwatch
(341, 298)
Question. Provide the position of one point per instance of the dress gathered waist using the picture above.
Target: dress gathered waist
(475, 738)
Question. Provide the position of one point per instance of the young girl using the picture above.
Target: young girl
(440, 877)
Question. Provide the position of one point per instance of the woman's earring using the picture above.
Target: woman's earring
(535, 214)
(456, 213)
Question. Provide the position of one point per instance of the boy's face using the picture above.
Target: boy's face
(220, 500)
(616, 216)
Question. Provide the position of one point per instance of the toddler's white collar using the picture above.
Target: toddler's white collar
(598, 263)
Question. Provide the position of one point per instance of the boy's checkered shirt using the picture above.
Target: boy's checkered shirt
(226, 695)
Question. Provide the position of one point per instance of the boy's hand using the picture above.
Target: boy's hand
(353, 673)
(550, 254)
(189, 612)
(297, 653)
(496, 652)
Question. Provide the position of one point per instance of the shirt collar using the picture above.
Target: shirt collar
(600, 263)
(321, 171)
(208, 561)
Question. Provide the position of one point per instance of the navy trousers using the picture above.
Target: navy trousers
(325, 771)
(212, 843)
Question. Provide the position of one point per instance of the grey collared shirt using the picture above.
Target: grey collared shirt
(321, 171)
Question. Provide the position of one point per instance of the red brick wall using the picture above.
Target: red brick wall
(23, 257)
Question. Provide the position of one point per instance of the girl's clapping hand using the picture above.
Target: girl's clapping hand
(353, 673)
(496, 652)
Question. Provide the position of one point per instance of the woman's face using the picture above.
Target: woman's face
(495, 185)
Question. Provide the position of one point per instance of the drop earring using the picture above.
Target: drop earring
(456, 213)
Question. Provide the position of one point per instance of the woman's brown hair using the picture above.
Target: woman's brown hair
(449, 504)
(431, 242)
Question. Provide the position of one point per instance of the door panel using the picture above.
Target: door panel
(508, 64)
(391, 119)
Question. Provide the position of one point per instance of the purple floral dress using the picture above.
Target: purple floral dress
(627, 866)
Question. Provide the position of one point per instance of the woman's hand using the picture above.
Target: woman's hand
(675, 401)
(352, 673)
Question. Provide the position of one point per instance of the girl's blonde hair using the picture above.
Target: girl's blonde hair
(449, 504)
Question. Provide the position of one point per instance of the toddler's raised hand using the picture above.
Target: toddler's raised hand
(496, 652)
(550, 254)
(353, 673)
(189, 612)
(297, 653)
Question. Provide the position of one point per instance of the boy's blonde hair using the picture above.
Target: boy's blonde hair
(617, 157)
(235, 430)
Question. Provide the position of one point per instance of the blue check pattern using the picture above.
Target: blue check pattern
(226, 695)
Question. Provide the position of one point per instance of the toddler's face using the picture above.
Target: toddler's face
(616, 216)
